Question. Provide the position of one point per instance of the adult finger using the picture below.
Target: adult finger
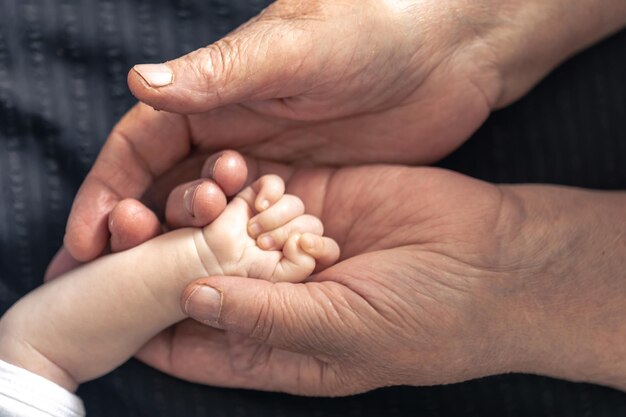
(265, 58)
(194, 204)
(60, 264)
(301, 318)
(197, 203)
(230, 171)
(197, 353)
(131, 224)
(141, 147)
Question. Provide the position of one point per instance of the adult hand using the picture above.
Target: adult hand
(178, 197)
(334, 82)
(443, 278)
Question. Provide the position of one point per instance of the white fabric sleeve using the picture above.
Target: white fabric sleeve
(25, 394)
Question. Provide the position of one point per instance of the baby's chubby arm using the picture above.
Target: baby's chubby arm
(94, 318)
(89, 321)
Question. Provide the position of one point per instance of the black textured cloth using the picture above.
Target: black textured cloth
(63, 66)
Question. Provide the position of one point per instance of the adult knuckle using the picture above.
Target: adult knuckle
(218, 59)
(289, 10)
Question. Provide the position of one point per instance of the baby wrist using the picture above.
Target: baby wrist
(18, 351)
(204, 263)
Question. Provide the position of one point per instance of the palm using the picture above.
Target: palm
(376, 214)
(348, 139)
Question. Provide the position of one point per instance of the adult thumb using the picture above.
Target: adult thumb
(260, 61)
(284, 315)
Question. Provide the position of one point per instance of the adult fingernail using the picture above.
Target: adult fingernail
(215, 164)
(189, 199)
(156, 75)
(204, 304)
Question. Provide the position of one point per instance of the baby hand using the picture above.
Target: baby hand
(264, 233)
(92, 319)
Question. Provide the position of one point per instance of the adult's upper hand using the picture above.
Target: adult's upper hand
(337, 82)
(443, 278)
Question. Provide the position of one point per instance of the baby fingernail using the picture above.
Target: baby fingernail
(266, 242)
(155, 75)
(307, 242)
(204, 304)
(255, 229)
(189, 198)
(264, 205)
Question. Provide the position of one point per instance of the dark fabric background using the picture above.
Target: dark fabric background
(63, 66)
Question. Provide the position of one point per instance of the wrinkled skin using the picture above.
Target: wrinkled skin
(334, 82)
(413, 300)
(442, 278)
(422, 266)
(341, 82)
(415, 287)
(334, 90)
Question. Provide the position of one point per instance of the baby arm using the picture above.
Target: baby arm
(94, 318)
(89, 321)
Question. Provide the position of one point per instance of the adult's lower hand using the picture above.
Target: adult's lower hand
(443, 278)
(334, 82)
